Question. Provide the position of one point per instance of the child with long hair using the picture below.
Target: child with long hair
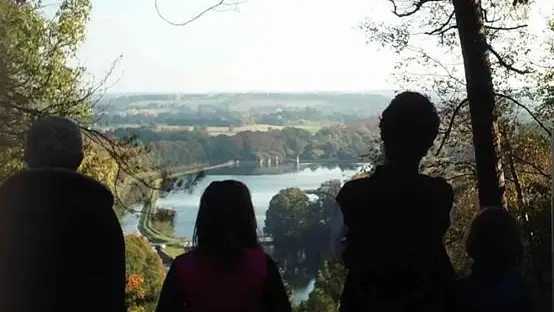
(227, 270)
(496, 282)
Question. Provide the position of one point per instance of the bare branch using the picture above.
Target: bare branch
(443, 28)
(443, 31)
(539, 170)
(416, 7)
(450, 125)
(506, 28)
(197, 16)
(506, 65)
(527, 110)
(434, 60)
(463, 175)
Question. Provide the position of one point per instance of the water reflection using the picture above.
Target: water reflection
(262, 187)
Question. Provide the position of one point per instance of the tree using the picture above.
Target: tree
(517, 72)
(300, 229)
(285, 223)
(38, 80)
(328, 289)
(480, 94)
(145, 274)
(35, 78)
(475, 28)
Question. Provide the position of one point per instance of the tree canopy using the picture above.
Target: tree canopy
(145, 274)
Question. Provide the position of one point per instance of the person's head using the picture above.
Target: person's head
(494, 241)
(226, 222)
(54, 142)
(409, 125)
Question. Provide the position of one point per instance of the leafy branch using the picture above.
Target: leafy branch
(504, 64)
(450, 125)
(535, 118)
(444, 27)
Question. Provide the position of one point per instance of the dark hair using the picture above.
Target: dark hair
(226, 223)
(409, 125)
(494, 240)
(54, 142)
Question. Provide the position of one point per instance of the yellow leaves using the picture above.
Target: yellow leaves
(99, 164)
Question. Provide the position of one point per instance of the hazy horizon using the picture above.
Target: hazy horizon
(284, 46)
(253, 92)
(264, 47)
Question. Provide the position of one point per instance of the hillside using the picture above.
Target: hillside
(366, 103)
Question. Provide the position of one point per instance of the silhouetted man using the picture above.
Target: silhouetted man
(61, 245)
(395, 220)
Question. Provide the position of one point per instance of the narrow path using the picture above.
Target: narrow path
(149, 208)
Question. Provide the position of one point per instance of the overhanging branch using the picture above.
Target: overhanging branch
(194, 18)
(535, 118)
(416, 7)
(444, 26)
(506, 65)
(450, 125)
(506, 28)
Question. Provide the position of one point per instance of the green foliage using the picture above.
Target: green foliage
(328, 289)
(233, 110)
(38, 77)
(344, 143)
(142, 263)
(35, 78)
(163, 221)
(300, 229)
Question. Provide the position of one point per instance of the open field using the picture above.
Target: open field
(174, 250)
(227, 130)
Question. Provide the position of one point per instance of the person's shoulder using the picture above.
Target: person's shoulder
(437, 185)
(86, 181)
(355, 185)
(435, 180)
(58, 177)
(185, 258)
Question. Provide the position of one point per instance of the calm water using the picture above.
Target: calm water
(262, 188)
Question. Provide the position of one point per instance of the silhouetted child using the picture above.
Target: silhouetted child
(496, 282)
(395, 220)
(227, 270)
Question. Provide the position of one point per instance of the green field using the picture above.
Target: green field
(174, 250)
(312, 127)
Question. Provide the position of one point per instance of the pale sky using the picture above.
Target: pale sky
(268, 45)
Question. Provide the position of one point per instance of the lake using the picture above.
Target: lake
(262, 188)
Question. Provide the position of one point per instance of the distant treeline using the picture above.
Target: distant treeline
(225, 110)
(217, 117)
(344, 143)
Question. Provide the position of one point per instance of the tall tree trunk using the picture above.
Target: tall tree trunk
(480, 93)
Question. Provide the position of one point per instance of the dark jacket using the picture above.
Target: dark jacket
(61, 245)
(395, 254)
(194, 284)
(505, 291)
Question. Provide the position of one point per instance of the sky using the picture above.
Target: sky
(264, 45)
(267, 45)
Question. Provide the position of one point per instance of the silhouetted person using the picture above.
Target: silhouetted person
(395, 220)
(61, 244)
(227, 270)
(496, 283)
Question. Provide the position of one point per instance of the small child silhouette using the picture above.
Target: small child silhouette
(496, 282)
